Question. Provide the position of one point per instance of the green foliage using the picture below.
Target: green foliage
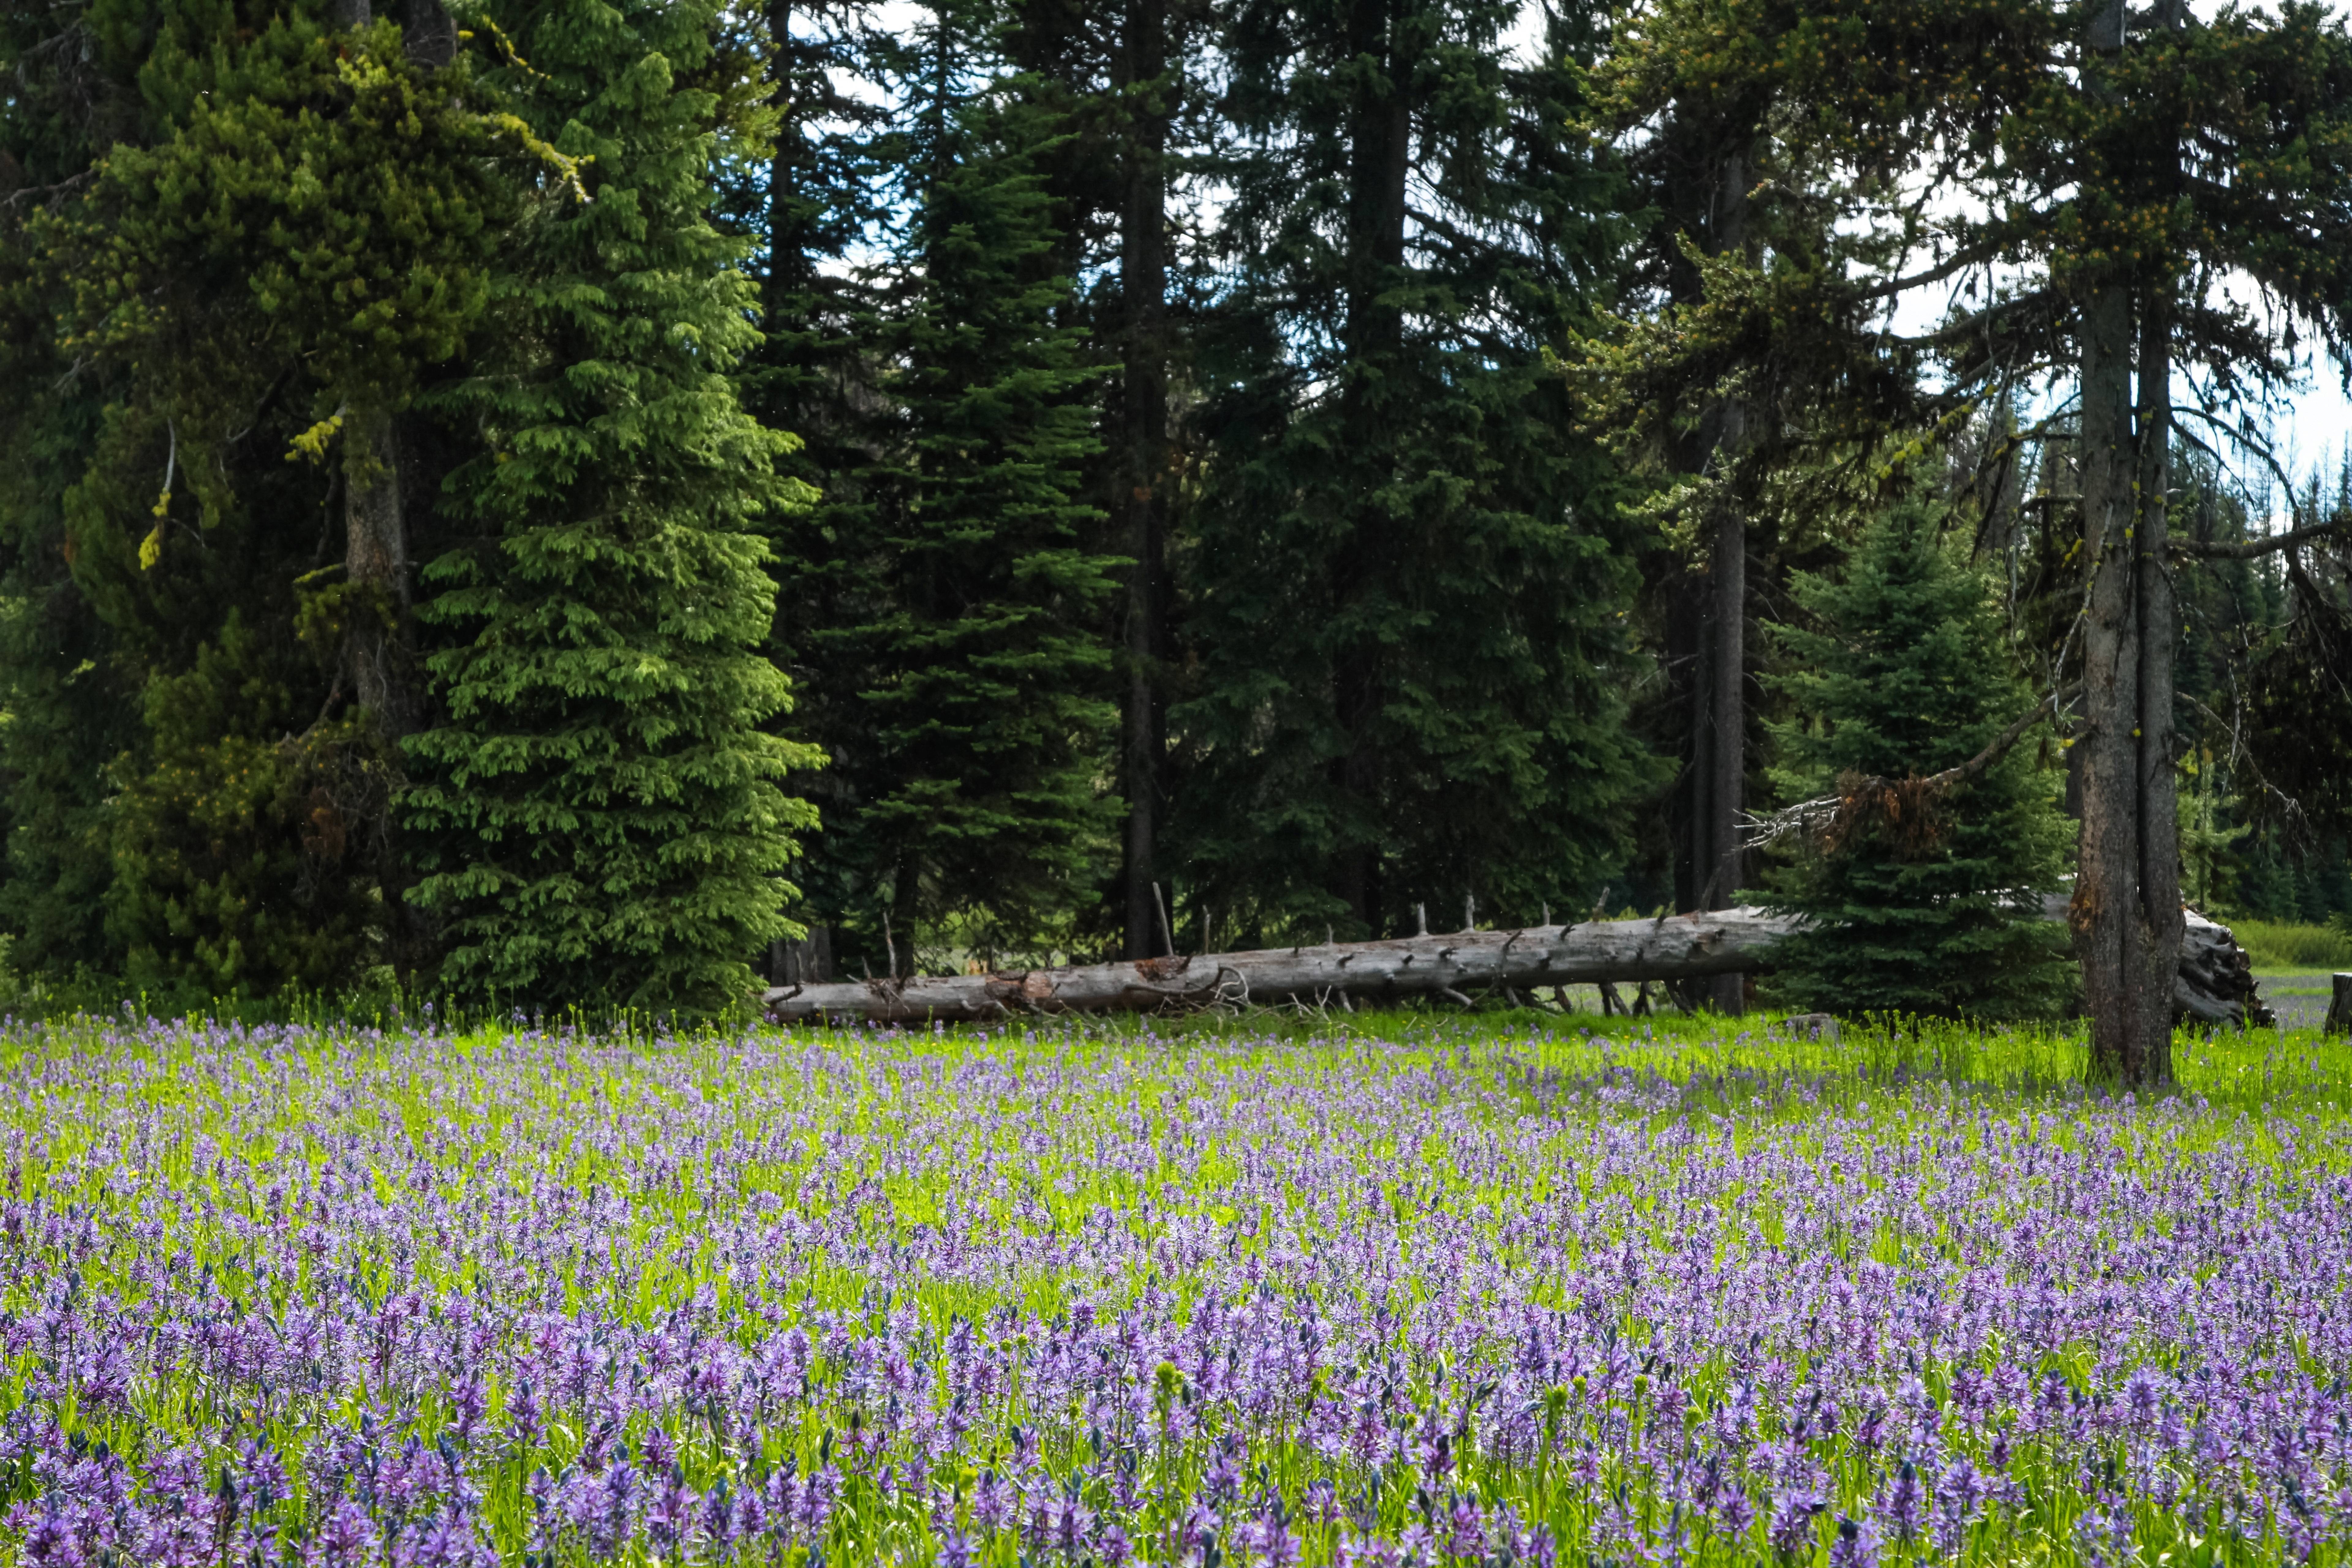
(1406, 593)
(600, 812)
(253, 219)
(962, 664)
(2273, 944)
(309, 218)
(1902, 672)
(232, 832)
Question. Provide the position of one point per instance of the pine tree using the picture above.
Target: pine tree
(1902, 671)
(606, 825)
(1407, 587)
(966, 665)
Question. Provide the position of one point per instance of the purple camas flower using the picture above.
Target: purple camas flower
(1320, 1279)
(346, 1538)
(1221, 1482)
(1791, 1527)
(1856, 1545)
(1465, 1535)
(1904, 1503)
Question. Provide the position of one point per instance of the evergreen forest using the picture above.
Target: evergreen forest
(612, 503)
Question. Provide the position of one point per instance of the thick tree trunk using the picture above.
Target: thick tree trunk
(1144, 406)
(2125, 909)
(2213, 985)
(1714, 786)
(2110, 933)
(376, 559)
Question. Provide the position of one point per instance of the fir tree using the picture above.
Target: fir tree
(1904, 671)
(604, 818)
(1407, 590)
(965, 672)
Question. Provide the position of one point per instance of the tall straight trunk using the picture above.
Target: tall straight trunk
(2110, 934)
(2159, 823)
(1690, 638)
(2125, 911)
(375, 538)
(1727, 718)
(377, 651)
(1143, 436)
(375, 558)
(1379, 154)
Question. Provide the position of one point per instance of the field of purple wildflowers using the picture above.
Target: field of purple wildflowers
(1453, 1298)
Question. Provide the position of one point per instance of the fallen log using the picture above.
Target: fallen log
(2216, 984)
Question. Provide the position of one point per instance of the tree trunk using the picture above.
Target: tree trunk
(1728, 720)
(1144, 406)
(376, 559)
(2213, 985)
(2120, 934)
(2158, 835)
(2109, 931)
(1713, 211)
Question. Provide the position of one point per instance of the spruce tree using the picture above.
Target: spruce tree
(1407, 588)
(965, 673)
(1903, 670)
(602, 816)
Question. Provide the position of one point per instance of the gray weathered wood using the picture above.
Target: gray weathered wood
(2218, 988)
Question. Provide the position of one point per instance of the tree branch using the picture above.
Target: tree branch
(1826, 811)
(2247, 549)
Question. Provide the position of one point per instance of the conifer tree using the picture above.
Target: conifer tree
(245, 219)
(1407, 582)
(968, 653)
(606, 825)
(1902, 671)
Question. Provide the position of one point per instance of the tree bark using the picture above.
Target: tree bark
(2125, 909)
(1715, 173)
(376, 559)
(1729, 721)
(2159, 835)
(2214, 984)
(1144, 406)
(2110, 933)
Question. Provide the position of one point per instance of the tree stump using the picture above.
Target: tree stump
(2339, 1008)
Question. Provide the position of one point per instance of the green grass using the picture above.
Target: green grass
(1618, 1265)
(2301, 948)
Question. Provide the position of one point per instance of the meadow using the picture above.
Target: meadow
(1499, 1290)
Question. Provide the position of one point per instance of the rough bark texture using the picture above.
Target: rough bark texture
(1143, 408)
(1729, 722)
(2157, 906)
(2215, 984)
(2110, 936)
(2127, 889)
(376, 559)
(1715, 781)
